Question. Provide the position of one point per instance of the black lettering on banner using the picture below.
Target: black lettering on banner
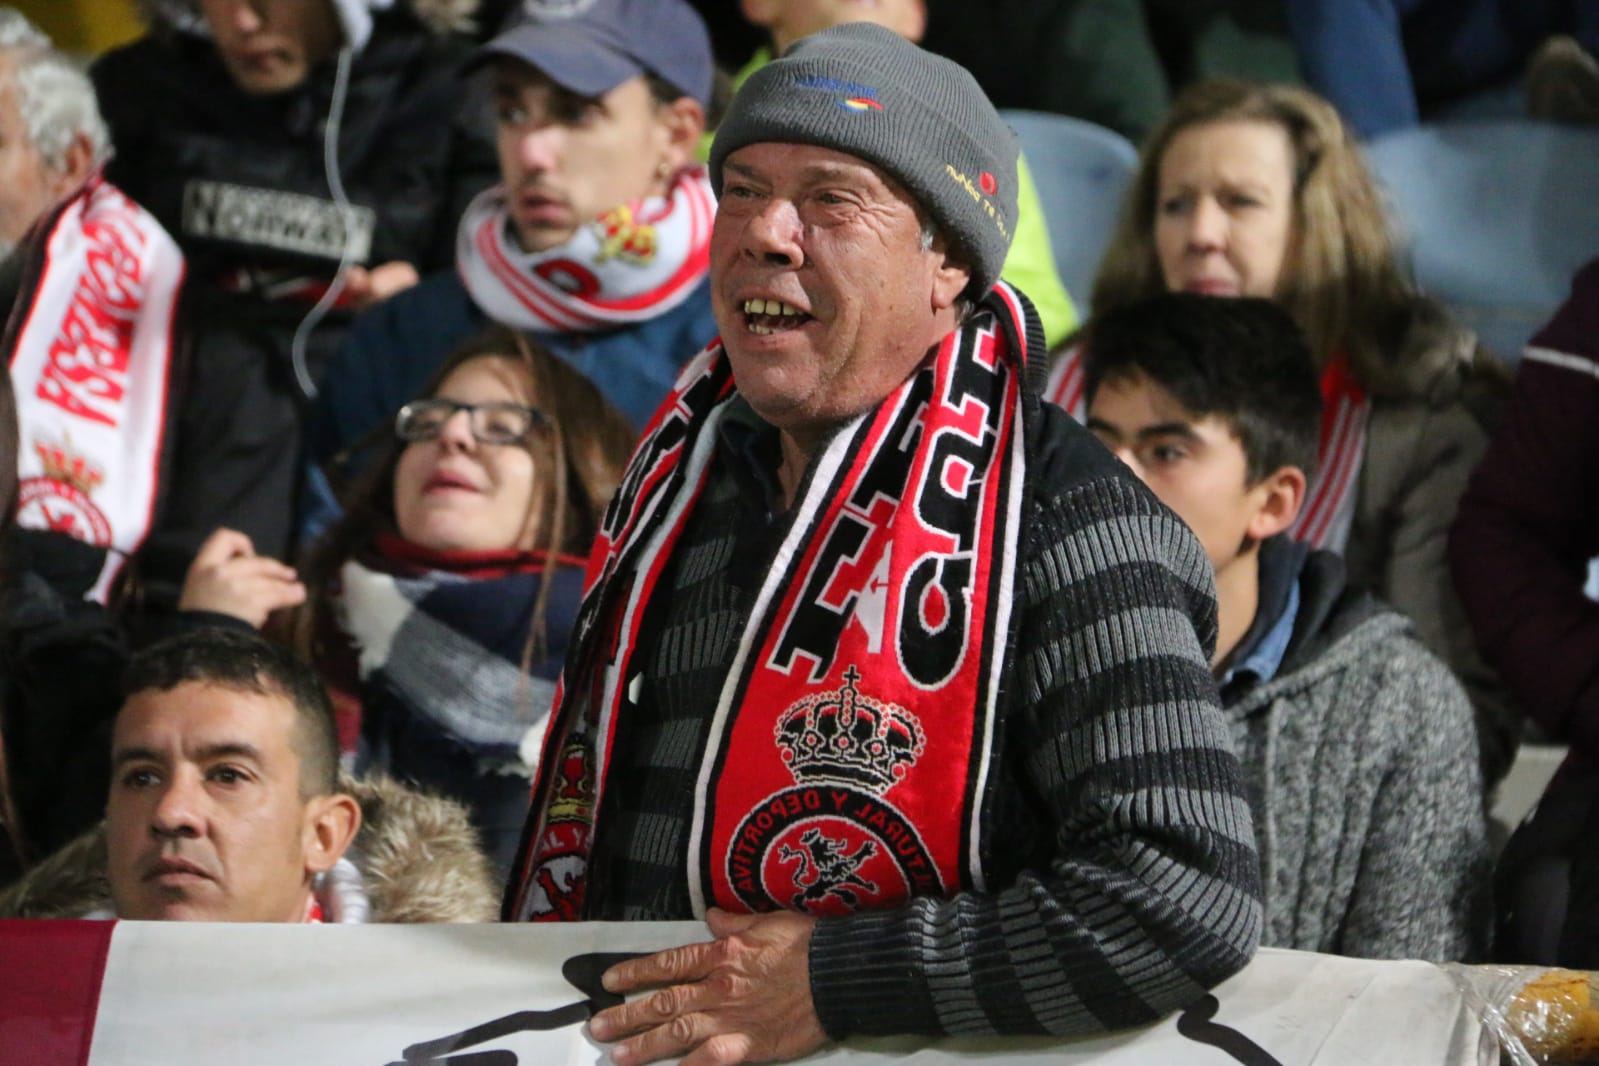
(1195, 1023)
(581, 972)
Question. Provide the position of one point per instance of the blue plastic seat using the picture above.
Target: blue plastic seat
(1496, 215)
(1081, 171)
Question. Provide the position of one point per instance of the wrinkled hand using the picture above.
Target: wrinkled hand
(229, 578)
(743, 997)
(364, 287)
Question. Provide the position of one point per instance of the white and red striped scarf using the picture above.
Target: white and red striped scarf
(91, 346)
(1066, 386)
(1329, 509)
(860, 703)
(633, 263)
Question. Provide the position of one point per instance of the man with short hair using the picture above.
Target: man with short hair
(226, 805)
(877, 642)
(1358, 744)
(224, 800)
(595, 242)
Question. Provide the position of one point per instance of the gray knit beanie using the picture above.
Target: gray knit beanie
(864, 90)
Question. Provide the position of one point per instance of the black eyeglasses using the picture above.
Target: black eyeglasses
(492, 423)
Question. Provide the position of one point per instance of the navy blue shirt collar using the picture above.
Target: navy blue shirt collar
(1260, 652)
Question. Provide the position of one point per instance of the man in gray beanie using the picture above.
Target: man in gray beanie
(890, 674)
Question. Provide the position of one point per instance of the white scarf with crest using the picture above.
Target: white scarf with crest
(633, 263)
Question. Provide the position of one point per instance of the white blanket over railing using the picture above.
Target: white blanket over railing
(180, 994)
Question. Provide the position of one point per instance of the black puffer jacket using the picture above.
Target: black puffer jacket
(240, 181)
(61, 663)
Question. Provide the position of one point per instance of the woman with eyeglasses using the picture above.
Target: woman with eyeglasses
(438, 608)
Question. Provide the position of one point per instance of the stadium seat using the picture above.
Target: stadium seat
(1081, 171)
(1496, 216)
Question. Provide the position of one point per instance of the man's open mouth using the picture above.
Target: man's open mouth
(772, 316)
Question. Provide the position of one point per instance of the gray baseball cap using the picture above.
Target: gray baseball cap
(592, 46)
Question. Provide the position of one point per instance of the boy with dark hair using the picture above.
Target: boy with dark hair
(1358, 745)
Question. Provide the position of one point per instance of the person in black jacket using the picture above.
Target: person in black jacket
(311, 159)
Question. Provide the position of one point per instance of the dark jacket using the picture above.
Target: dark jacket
(61, 660)
(61, 663)
(203, 156)
(240, 181)
(1107, 710)
(398, 345)
(1529, 523)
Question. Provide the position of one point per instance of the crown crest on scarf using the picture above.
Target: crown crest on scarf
(574, 788)
(846, 736)
(61, 464)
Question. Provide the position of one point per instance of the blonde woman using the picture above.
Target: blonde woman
(1252, 190)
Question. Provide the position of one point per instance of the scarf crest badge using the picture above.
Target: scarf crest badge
(633, 263)
(861, 701)
(834, 841)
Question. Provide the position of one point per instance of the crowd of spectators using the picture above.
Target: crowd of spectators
(365, 354)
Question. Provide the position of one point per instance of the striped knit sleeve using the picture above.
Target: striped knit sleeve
(1153, 891)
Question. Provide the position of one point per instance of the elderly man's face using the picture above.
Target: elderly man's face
(28, 188)
(270, 46)
(205, 820)
(825, 298)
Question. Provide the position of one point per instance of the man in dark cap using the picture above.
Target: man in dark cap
(887, 672)
(596, 240)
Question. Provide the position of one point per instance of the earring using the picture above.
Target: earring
(663, 170)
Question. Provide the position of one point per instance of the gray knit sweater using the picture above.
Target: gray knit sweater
(1361, 757)
(1120, 860)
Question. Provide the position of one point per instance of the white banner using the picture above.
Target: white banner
(190, 994)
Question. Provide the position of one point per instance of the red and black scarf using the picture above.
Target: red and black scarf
(860, 705)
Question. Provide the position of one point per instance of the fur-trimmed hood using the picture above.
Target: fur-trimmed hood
(439, 16)
(417, 855)
(1429, 357)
